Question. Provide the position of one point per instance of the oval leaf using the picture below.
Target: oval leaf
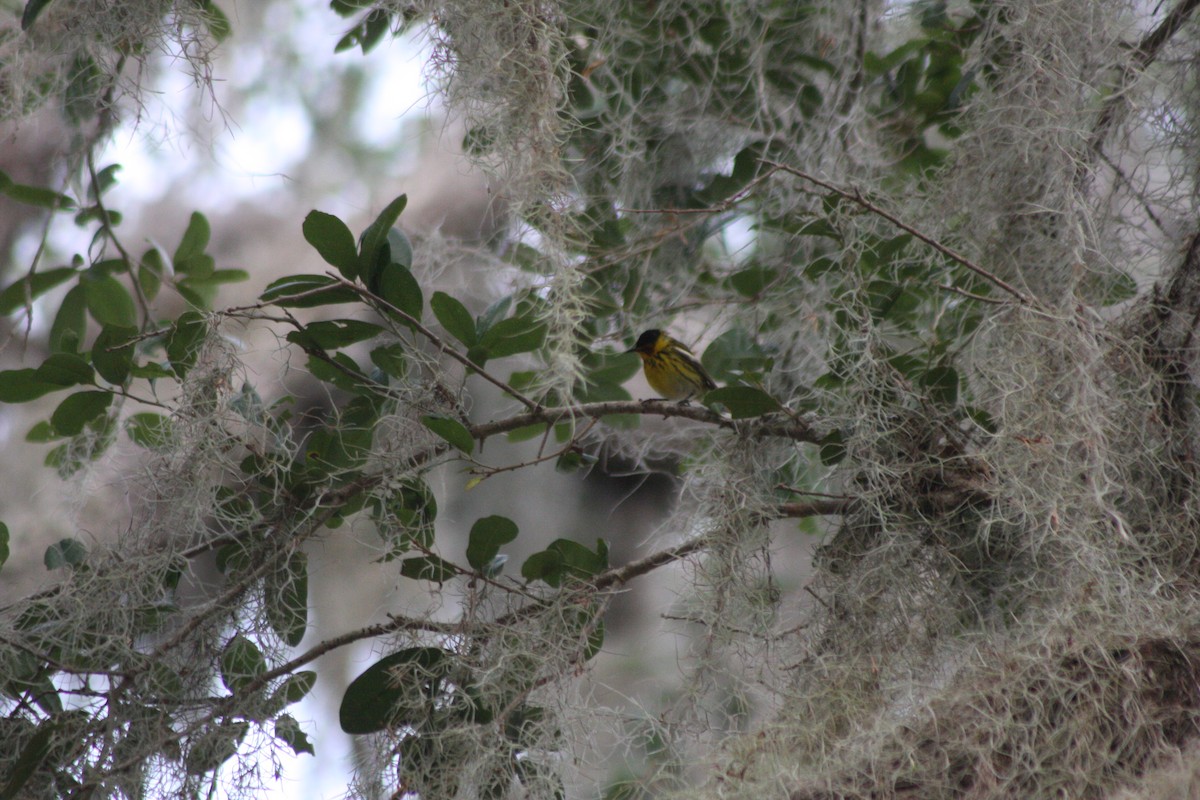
(742, 401)
(108, 301)
(241, 662)
(452, 431)
(373, 700)
(285, 599)
(454, 317)
(78, 410)
(333, 240)
(488, 535)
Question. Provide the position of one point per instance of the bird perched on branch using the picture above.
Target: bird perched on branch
(671, 369)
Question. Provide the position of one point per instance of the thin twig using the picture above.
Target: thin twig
(855, 196)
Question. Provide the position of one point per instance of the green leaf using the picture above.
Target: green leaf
(565, 559)
(376, 699)
(391, 359)
(112, 353)
(400, 248)
(215, 20)
(70, 322)
(396, 285)
(454, 317)
(241, 662)
(428, 568)
(185, 340)
(833, 448)
(194, 240)
(942, 383)
(28, 288)
(37, 747)
(65, 369)
(405, 517)
(742, 401)
(334, 333)
(214, 747)
(452, 431)
(150, 272)
(288, 731)
(77, 410)
(35, 195)
(494, 313)
(330, 237)
(108, 300)
(307, 291)
(23, 385)
(65, 553)
(751, 281)
(374, 238)
(520, 334)
(735, 355)
(32, 9)
(285, 599)
(296, 687)
(488, 535)
(4, 552)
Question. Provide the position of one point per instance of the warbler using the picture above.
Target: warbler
(671, 369)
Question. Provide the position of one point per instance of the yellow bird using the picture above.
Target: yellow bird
(670, 367)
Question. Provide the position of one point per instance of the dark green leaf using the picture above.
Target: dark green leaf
(150, 272)
(751, 281)
(23, 385)
(394, 690)
(333, 240)
(427, 568)
(742, 401)
(215, 20)
(108, 300)
(396, 285)
(288, 731)
(285, 599)
(65, 369)
(78, 410)
(452, 431)
(24, 290)
(375, 237)
(37, 747)
(214, 747)
(65, 553)
(833, 448)
(405, 517)
(334, 333)
(942, 383)
(112, 353)
(454, 317)
(508, 337)
(565, 559)
(487, 536)
(241, 662)
(194, 240)
(32, 9)
(390, 358)
(36, 196)
(735, 355)
(184, 341)
(307, 291)
(3, 543)
(69, 323)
